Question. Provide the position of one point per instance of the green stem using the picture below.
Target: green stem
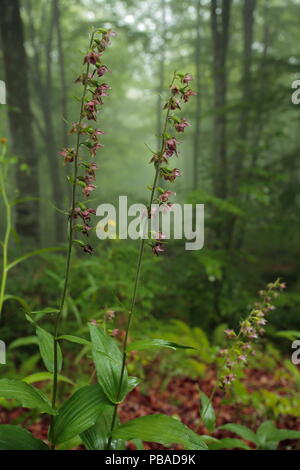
(69, 253)
(7, 232)
(137, 275)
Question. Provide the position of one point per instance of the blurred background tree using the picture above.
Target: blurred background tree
(239, 156)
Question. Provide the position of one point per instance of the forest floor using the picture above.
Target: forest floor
(180, 398)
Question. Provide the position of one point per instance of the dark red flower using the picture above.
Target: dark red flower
(172, 104)
(171, 146)
(93, 166)
(164, 197)
(95, 133)
(187, 78)
(169, 175)
(102, 90)
(90, 178)
(101, 70)
(175, 90)
(157, 248)
(91, 58)
(180, 126)
(94, 148)
(88, 249)
(68, 154)
(76, 127)
(186, 96)
(86, 229)
(88, 189)
(86, 214)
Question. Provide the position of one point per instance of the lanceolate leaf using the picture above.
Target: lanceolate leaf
(17, 438)
(27, 395)
(46, 344)
(242, 431)
(269, 436)
(79, 413)
(207, 412)
(228, 443)
(162, 429)
(96, 437)
(283, 434)
(33, 253)
(21, 301)
(46, 310)
(75, 339)
(132, 383)
(108, 361)
(289, 334)
(27, 340)
(42, 376)
(154, 344)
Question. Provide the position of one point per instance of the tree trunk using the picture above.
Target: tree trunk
(220, 16)
(45, 91)
(161, 73)
(64, 89)
(198, 99)
(20, 116)
(220, 37)
(241, 153)
(259, 117)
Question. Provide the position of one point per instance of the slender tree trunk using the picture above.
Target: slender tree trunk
(220, 37)
(198, 98)
(64, 89)
(241, 153)
(220, 18)
(20, 116)
(161, 72)
(45, 92)
(258, 119)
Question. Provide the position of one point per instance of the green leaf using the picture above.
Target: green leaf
(162, 429)
(41, 376)
(96, 437)
(108, 361)
(24, 199)
(207, 412)
(269, 436)
(155, 343)
(228, 443)
(17, 438)
(242, 431)
(21, 301)
(46, 344)
(78, 414)
(46, 310)
(75, 339)
(132, 383)
(27, 340)
(71, 444)
(283, 434)
(138, 444)
(291, 335)
(266, 436)
(33, 253)
(27, 395)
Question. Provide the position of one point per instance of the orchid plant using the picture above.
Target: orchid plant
(92, 410)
